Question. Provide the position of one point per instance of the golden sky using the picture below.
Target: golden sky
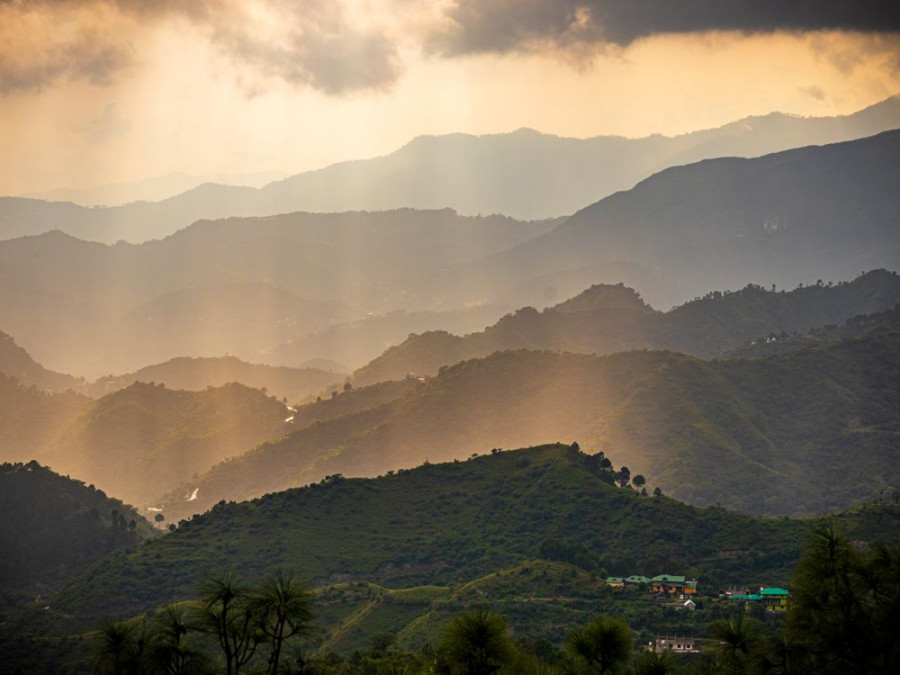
(102, 91)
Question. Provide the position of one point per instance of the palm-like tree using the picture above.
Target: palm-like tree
(476, 643)
(171, 646)
(283, 606)
(603, 646)
(738, 636)
(225, 611)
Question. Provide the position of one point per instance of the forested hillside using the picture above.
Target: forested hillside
(445, 523)
(53, 526)
(139, 442)
(778, 435)
(605, 319)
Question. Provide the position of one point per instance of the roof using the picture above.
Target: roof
(637, 579)
(751, 597)
(668, 578)
(774, 591)
(614, 580)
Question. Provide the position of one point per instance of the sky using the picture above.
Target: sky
(109, 91)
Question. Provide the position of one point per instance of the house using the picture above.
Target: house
(771, 599)
(615, 582)
(668, 583)
(637, 580)
(679, 645)
(774, 599)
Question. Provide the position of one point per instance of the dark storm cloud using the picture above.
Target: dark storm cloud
(511, 25)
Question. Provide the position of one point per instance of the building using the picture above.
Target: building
(678, 645)
(668, 583)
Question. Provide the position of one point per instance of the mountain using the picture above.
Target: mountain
(502, 173)
(358, 342)
(31, 419)
(152, 189)
(857, 326)
(54, 526)
(788, 218)
(605, 319)
(450, 523)
(17, 362)
(236, 286)
(294, 384)
(142, 440)
(779, 435)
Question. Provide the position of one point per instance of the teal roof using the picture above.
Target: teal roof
(614, 580)
(738, 596)
(668, 578)
(774, 591)
(637, 579)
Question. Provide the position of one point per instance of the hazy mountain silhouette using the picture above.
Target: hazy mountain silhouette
(788, 218)
(152, 189)
(140, 441)
(606, 319)
(502, 173)
(238, 286)
(17, 362)
(294, 384)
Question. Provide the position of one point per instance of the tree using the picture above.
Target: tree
(845, 605)
(602, 646)
(225, 611)
(114, 650)
(655, 663)
(159, 518)
(172, 650)
(623, 476)
(639, 481)
(476, 643)
(737, 637)
(284, 608)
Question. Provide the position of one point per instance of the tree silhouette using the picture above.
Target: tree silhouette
(284, 608)
(159, 518)
(737, 637)
(602, 646)
(171, 647)
(225, 611)
(476, 643)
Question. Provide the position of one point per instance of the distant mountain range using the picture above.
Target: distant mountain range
(524, 174)
(778, 435)
(237, 286)
(606, 319)
(152, 189)
(249, 287)
(793, 217)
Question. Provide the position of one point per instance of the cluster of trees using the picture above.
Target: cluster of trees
(843, 617)
(230, 626)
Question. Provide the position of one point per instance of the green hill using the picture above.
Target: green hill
(53, 526)
(443, 524)
(606, 319)
(787, 434)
